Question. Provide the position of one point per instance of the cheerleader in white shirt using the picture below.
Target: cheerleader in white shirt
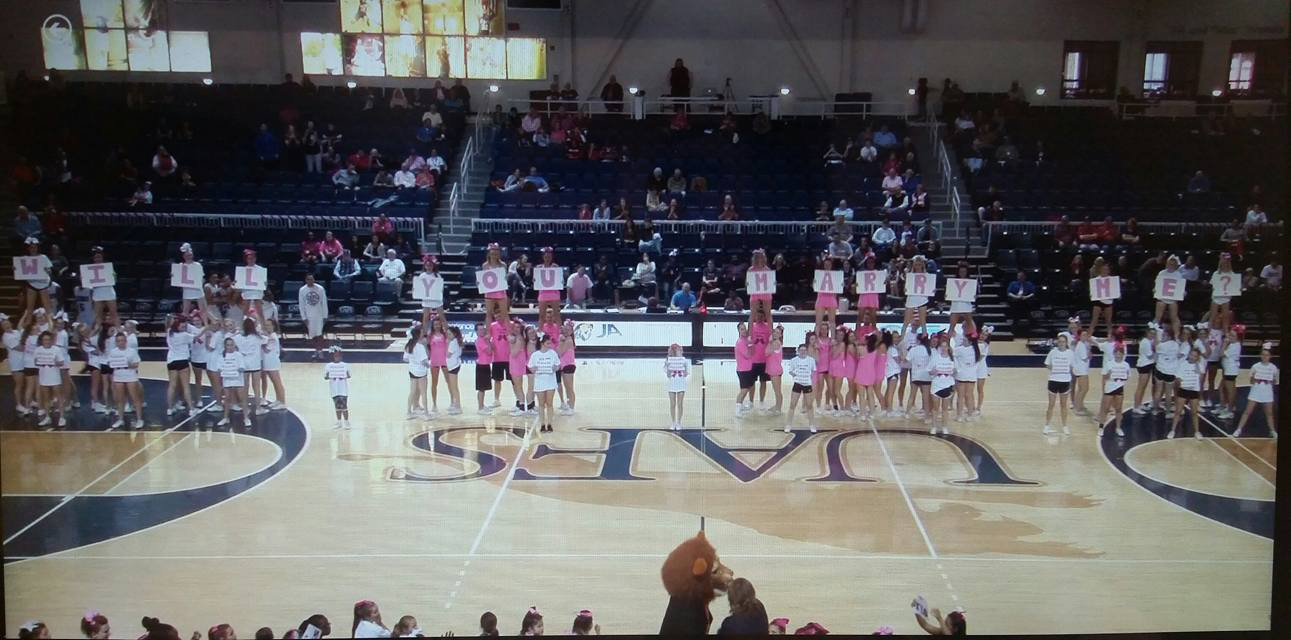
(802, 369)
(337, 375)
(194, 297)
(124, 362)
(1213, 337)
(179, 350)
(30, 339)
(212, 344)
(233, 380)
(96, 345)
(1220, 306)
(1059, 362)
(104, 298)
(452, 367)
(49, 360)
(66, 336)
(891, 373)
(919, 356)
(1230, 361)
(983, 372)
(13, 349)
(1264, 377)
(1146, 366)
(908, 340)
(941, 372)
(251, 345)
(1169, 352)
(676, 369)
(1116, 374)
(271, 366)
(417, 357)
(966, 354)
(544, 363)
(1081, 352)
(1188, 375)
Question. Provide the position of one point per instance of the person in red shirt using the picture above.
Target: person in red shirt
(361, 160)
(1087, 235)
(330, 248)
(311, 250)
(1063, 233)
(383, 229)
(584, 211)
(1108, 234)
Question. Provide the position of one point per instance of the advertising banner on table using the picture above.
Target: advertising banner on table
(29, 268)
(1169, 287)
(724, 334)
(187, 275)
(921, 284)
(760, 283)
(961, 289)
(428, 286)
(609, 333)
(548, 278)
(1226, 285)
(99, 274)
(491, 280)
(250, 278)
(1105, 288)
(872, 281)
(828, 281)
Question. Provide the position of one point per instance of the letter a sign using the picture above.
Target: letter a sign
(828, 281)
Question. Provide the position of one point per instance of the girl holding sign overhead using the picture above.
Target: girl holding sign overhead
(251, 297)
(867, 305)
(1264, 376)
(38, 273)
(192, 296)
(424, 286)
(916, 297)
(759, 303)
(495, 302)
(1102, 307)
(828, 284)
(1220, 298)
(961, 310)
(1168, 291)
(549, 299)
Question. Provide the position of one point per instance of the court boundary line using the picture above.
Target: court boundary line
(923, 531)
(145, 465)
(746, 556)
(105, 474)
(1209, 493)
(1238, 442)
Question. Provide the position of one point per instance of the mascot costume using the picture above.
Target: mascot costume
(693, 576)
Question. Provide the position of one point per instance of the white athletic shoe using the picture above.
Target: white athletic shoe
(339, 425)
(193, 411)
(676, 426)
(23, 410)
(138, 424)
(215, 408)
(531, 412)
(1237, 433)
(118, 424)
(945, 430)
(933, 430)
(223, 422)
(1170, 436)
(62, 421)
(1119, 432)
(773, 411)
(453, 410)
(813, 428)
(100, 407)
(1197, 434)
(485, 411)
(413, 415)
(246, 422)
(1049, 430)
(346, 424)
(1138, 411)
(1100, 431)
(260, 411)
(517, 412)
(44, 422)
(566, 410)
(739, 411)
(1066, 430)
(492, 404)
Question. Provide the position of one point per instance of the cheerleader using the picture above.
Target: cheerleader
(802, 369)
(759, 338)
(213, 345)
(500, 336)
(233, 380)
(1102, 308)
(124, 361)
(567, 368)
(453, 366)
(1059, 362)
(867, 304)
(1081, 353)
(861, 356)
(63, 341)
(423, 282)
(1167, 352)
(415, 354)
(13, 349)
(676, 369)
(516, 366)
(743, 368)
(251, 345)
(916, 306)
(40, 288)
(179, 350)
(1231, 362)
(198, 354)
(962, 310)
(1264, 377)
(337, 375)
(532, 343)
(544, 363)
(966, 354)
(250, 300)
(33, 327)
(887, 368)
(919, 356)
(483, 368)
(95, 344)
(941, 370)
(775, 367)
(827, 303)
(1187, 394)
(838, 366)
(1213, 338)
(271, 366)
(1221, 309)
(49, 360)
(1116, 373)
(819, 348)
(759, 304)
(549, 300)
(1146, 367)
(438, 358)
(1171, 269)
(193, 297)
(495, 302)
(983, 372)
(908, 340)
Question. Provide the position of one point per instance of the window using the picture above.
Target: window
(1089, 69)
(1171, 68)
(1241, 68)
(1154, 72)
(122, 35)
(1257, 68)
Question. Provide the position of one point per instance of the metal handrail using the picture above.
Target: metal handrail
(165, 220)
(789, 106)
(990, 227)
(674, 226)
(1171, 109)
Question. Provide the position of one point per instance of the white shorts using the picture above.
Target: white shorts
(914, 302)
(966, 374)
(982, 370)
(251, 294)
(193, 294)
(103, 294)
(231, 383)
(958, 306)
(678, 385)
(16, 361)
(272, 362)
(50, 377)
(1221, 301)
(545, 382)
(1261, 393)
(427, 303)
(125, 375)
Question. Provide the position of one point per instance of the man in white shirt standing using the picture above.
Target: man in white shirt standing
(313, 311)
(392, 270)
(576, 287)
(405, 179)
(843, 210)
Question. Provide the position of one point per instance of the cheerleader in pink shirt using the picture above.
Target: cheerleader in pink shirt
(864, 376)
(516, 364)
(759, 337)
(565, 375)
(483, 368)
(500, 335)
(775, 367)
(820, 379)
(437, 347)
(549, 301)
(838, 367)
(743, 369)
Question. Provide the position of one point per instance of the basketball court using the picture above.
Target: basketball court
(447, 518)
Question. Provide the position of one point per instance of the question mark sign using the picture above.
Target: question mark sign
(1226, 279)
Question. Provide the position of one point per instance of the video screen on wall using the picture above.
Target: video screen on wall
(424, 39)
(122, 35)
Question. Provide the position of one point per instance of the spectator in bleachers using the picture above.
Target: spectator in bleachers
(908, 164)
(1234, 237)
(919, 199)
(612, 95)
(649, 239)
(331, 158)
(868, 152)
(679, 80)
(404, 179)
(1189, 270)
(843, 211)
(1076, 274)
(392, 270)
(1087, 235)
(1021, 295)
(267, 148)
(1199, 183)
(892, 164)
(674, 210)
(435, 163)
(885, 139)
(584, 211)
(603, 278)
(897, 202)
(656, 181)
(384, 179)
(699, 184)
(330, 248)
(728, 209)
(839, 248)
(602, 211)
(892, 181)
(1007, 152)
(346, 178)
(646, 279)
(346, 268)
(682, 299)
(520, 278)
(530, 124)
(413, 162)
(833, 157)
(669, 275)
(536, 181)
(360, 160)
(927, 235)
(680, 123)
(1255, 218)
(624, 210)
(142, 197)
(577, 287)
(311, 250)
(383, 229)
(1131, 234)
(542, 139)
(26, 225)
(312, 149)
(1271, 274)
(1063, 233)
(824, 213)
(733, 302)
(677, 183)
(883, 239)
(840, 228)
(513, 182)
(653, 203)
(163, 163)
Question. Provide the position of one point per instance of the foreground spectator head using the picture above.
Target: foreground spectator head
(811, 629)
(156, 629)
(95, 625)
(265, 633)
(584, 625)
(221, 632)
(531, 625)
(406, 628)
(488, 624)
(317, 621)
(366, 614)
(34, 629)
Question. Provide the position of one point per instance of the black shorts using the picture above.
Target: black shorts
(1147, 368)
(944, 393)
(759, 371)
(1213, 365)
(483, 379)
(31, 371)
(178, 365)
(200, 366)
(413, 377)
(1187, 394)
(342, 403)
(921, 383)
(1163, 377)
(1228, 378)
(569, 369)
(746, 379)
(1120, 391)
(454, 370)
(1059, 387)
(105, 369)
(801, 388)
(500, 371)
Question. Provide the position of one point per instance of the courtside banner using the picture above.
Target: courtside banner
(724, 334)
(608, 333)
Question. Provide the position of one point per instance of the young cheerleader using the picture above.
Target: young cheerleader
(1213, 338)
(39, 288)
(862, 356)
(517, 356)
(95, 345)
(437, 339)
(743, 368)
(1102, 308)
(34, 324)
(233, 381)
(888, 368)
(1171, 269)
(1187, 393)
(495, 302)
(13, 349)
(193, 297)
(549, 300)
(1116, 373)
(567, 367)
(453, 366)
(1081, 352)
(775, 367)
(415, 354)
(966, 354)
(838, 366)
(124, 361)
(425, 282)
(802, 369)
(214, 347)
(65, 337)
(919, 357)
(48, 359)
(544, 363)
(1059, 363)
(251, 345)
(962, 310)
(179, 348)
(907, 340)
(1221, 306)
(532, 343)
(676, 368)
(759, 337)
(916, 306)
(1264, 377)
(1230, 360)
(483, 368)
(1167, 353)
(759, 304)
(337, 375)
(941, 369)
(983, 372)
(819, 345)
(271, 366)
(1146, 367)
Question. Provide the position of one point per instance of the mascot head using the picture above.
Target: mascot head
(693, 572)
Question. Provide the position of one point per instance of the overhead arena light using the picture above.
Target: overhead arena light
(493, 88)
(351, 84)
(1216, 92)
(910, 91)
(633, 90)
(784, 91)
(1039, 91)
(207, 81)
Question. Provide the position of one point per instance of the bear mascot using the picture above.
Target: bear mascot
(693, 576)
